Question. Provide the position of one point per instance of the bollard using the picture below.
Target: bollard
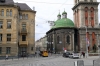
(75, 63)
(79, 63)
(93, 62)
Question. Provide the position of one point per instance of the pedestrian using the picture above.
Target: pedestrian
(35, 54)
(83, 54)
(6, 57)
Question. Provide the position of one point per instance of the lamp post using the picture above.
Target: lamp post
(99, 50)
(98, 46)
(98, 43)
(86, 43)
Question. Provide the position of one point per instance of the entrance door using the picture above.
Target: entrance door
(23, 51)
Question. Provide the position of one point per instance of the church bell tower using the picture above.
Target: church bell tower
(85, 14)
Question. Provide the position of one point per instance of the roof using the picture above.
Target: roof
(64, 13)
(7, 2)
(23, 6)
(64, 22)
(59, 14)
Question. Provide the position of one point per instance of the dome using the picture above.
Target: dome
(59, 14)
(64, 13)
(64, 22)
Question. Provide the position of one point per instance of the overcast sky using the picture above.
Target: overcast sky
(47, 10)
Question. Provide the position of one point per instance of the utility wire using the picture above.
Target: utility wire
(43, 2)
(57, 9)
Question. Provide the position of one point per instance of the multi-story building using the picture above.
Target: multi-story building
(17, 28)
(41, 44)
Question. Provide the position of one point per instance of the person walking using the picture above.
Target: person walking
(83, 54)
(6, 57)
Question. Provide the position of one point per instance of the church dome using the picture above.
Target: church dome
(64, 22)
(64, 12)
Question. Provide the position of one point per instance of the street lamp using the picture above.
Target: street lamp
(86, 42)
(99, 51)
(98, 45)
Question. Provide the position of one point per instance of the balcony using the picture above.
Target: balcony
(24, 31)
(23, 43)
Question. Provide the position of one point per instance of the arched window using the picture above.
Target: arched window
(7, 12)
(10, 12)
(68, 39)
(92, 16)
(86, 16)
(58, 39)
(2, 12)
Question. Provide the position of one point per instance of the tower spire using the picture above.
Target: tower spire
(59, 16)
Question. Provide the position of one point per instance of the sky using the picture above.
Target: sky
(47, 10)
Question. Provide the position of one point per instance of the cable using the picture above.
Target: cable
(59, 7)
(43, 2)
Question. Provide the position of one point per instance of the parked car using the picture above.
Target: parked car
(66, 54)
(74, 55)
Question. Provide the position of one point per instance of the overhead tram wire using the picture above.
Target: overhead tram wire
(58, 8)
(43, 2)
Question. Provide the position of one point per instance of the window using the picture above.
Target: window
(26, 16)
(68, 39)
(8, 50)
(10, 12)
(23, 26)
(8, 37)
(0, 37)
(86, 16)
(58, 39)
(1, 24)
(92, 16)
(93, 38)
(0, 50)
(91, 0)
(7, 12)
(2, 12)
(8, 24)
(23, 37)
(20, 16)
(31, 48)
(23, 16)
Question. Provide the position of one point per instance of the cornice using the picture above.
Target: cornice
(85, 3)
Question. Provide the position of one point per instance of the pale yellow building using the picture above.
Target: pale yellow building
(17, 28)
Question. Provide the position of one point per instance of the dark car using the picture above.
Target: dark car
(66, 54)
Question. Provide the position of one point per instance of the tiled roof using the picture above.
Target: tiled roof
(7, 2)
(23, 6)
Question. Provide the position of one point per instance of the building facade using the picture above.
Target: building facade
(17, 28)
(85, 14)
(82, 34)
(41, 44)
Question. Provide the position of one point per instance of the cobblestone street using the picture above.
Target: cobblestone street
(46, 61)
